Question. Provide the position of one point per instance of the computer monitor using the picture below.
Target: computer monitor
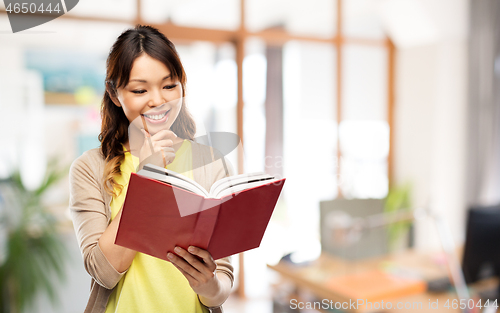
(481, 257)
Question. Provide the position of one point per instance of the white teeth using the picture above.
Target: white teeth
(156, 117)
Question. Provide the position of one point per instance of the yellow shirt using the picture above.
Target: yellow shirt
(152, 284)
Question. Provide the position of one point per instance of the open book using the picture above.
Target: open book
(163, 209)
(223, 187)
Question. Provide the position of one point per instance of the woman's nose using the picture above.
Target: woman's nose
(156, 99)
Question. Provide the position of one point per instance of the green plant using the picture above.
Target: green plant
(398, 199)
(33, 250)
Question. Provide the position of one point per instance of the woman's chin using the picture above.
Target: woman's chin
(155, 128)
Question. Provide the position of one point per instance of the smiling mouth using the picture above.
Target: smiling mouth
(156, 117)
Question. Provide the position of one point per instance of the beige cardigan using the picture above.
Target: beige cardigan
(91, 214)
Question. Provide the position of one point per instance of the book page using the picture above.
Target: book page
(226, 182)
(243, 186)
(167, 172)
(175, 181)
(224, 186)
(161, 170)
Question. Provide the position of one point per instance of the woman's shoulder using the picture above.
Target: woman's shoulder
(91, 156)
(204, 155)
(86, 176)
(205, 150)
(90, 161)
(197, 144)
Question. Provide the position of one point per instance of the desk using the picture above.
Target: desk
(313, 278)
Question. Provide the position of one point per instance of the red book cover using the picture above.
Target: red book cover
(152, 222)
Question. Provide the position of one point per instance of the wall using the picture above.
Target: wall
(430, 118)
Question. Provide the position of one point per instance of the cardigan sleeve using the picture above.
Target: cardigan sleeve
(87, 209)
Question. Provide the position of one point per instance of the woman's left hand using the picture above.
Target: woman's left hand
(199, 273)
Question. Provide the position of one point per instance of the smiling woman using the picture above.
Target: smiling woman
(143, 115)
(151, 101)
(151, 92)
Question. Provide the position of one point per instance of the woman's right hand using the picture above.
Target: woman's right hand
(162, 144)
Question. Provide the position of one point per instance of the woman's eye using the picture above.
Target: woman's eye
(138, 91)
(170, 86)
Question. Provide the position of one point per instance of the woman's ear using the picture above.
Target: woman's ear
(112, 94)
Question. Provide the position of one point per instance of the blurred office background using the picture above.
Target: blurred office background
(347, 99)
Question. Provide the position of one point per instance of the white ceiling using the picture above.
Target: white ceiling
(407, 22)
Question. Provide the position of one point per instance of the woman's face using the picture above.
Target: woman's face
(151, 95)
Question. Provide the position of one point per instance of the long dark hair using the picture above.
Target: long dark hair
(114, 129)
